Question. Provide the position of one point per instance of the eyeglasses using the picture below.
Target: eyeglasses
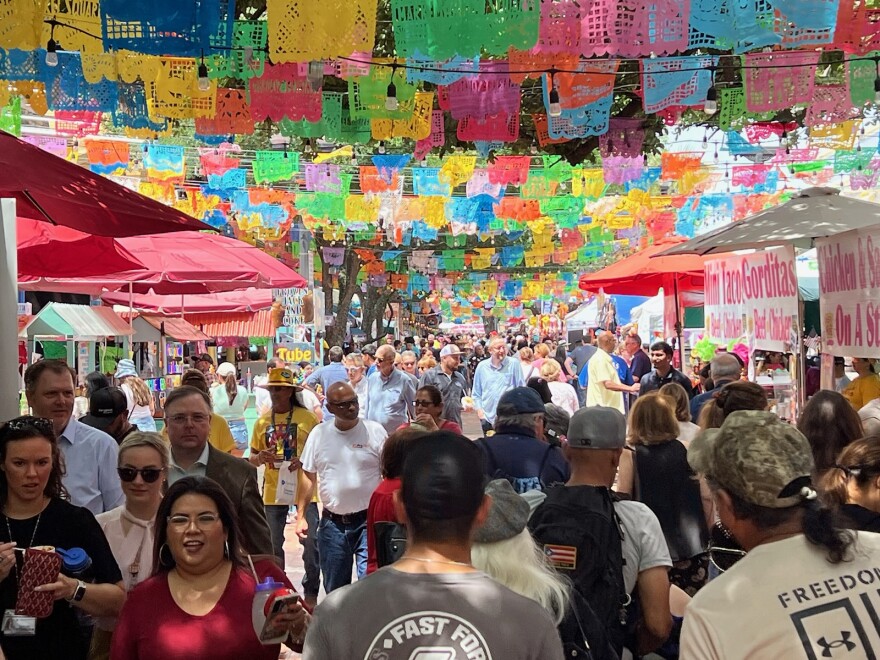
(409, 364)
(353, 368)
(198, 418)
(202, 521)
(724, 558)
(351, 403)
(425, 403)
(149, 475)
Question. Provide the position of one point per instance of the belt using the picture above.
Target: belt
(346, 518)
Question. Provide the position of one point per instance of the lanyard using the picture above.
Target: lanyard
(30, 545)
(270, 430)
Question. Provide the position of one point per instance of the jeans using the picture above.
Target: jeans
(276, 514)
(239, 431)
(338, 543)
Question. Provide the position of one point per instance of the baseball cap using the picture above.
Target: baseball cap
(442, 477)
(519, 401)
(757, 457)
(597, 427)
(104, 406)
(450, 349)
(226, 369)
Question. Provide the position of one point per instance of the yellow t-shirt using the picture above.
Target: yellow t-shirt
(219, 437)
(862, 390)
(302, 420)
(600, 369)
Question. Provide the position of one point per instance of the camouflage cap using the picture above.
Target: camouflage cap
(756, 456)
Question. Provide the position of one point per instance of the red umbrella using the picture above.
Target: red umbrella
(249, 300)
(49, 188)
(46, 250)
(641, 274)
(183, 263)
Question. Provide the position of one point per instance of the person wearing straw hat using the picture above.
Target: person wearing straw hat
(806, 588)
(278, 437)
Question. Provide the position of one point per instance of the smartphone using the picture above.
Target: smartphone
(279, 604)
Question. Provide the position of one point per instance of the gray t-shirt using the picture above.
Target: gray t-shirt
(392, 615)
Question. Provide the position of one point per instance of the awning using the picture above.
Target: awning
(175, 327)
(77, 322)
(240, 324)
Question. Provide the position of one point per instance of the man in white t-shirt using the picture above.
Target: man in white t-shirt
(805, 589)
(343, 455)
(603, 386)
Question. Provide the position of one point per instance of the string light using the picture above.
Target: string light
(710, 105)
(204, 81)
(381, 147)
(51, 51)
(391, 102)
(555, 108)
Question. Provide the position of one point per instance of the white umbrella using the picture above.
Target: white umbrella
(813, 213)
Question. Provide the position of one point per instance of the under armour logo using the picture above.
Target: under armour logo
(843, 641)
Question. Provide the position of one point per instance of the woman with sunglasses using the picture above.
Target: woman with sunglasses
(197, 604)
(429, 407)
(36, 514)
(143, 463)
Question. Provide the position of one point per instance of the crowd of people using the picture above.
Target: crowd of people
(612, 507)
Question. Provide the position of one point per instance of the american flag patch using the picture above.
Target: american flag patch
(561, 556)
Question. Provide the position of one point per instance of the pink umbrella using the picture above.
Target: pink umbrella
(183, 263)
(248, 300)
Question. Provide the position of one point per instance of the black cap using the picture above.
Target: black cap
(105, 405)
(442, 477)
(519, 401)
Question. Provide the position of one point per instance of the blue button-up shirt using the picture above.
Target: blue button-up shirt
(334, 372)
(390, 400)
(490, 382)
(197, 469)
(90, 457)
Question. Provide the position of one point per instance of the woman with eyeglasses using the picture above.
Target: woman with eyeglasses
(198, 602)
(853, 485)
(143, 464)
(36, 514)
(429, 407)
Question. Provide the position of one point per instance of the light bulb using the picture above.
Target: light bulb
(710, 105)
(382, 147)
(51, 54)
(391, 102)
(555, 109)
(204, 82)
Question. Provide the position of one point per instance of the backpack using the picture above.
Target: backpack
(580, 534)
(520, 484)
(390, 542)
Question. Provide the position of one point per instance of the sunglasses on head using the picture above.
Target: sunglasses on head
(149, 475)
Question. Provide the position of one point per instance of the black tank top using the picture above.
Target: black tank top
(668, 486)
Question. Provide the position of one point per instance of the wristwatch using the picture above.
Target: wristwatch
(78, 593)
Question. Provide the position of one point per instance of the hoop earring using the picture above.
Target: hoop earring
(226, 549)
(166, 564)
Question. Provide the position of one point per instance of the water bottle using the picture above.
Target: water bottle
(262, 593)
(77, 564)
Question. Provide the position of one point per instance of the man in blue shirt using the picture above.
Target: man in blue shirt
(325, 376)
(91, 479)
(391, 393)
(492, 378)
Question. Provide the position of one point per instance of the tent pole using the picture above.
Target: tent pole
(9, 374)
(678, 325)
(130, 305)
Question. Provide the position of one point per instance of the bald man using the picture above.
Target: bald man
(604, 387)
(343, 456)
(391, 392)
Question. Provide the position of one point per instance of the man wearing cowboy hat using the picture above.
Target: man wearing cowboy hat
(279, 435)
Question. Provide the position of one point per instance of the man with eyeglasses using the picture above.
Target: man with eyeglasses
(492, 378)
(89, 454)
(391, 393)
(408, 364)
(448, 379)
(343, 456)
(188, 421)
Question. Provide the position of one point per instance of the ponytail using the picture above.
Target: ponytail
(832, 486)
(231, 387)
(820, 528)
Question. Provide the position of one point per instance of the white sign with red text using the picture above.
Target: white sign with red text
(753, 299)
(849, 292)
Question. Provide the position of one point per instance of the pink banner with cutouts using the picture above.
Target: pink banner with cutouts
(490, 92)
(281, 92)
(509, 170)
(780, 80)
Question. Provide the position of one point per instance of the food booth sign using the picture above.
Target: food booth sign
(849, 284)
(753, 298)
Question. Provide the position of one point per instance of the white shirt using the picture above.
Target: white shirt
(197, 469)
(564, 396)
(347, 463)
(687, 431)
(135, 411)
(785, 600)
(361, 390)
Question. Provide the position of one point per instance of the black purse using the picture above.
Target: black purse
(390, 542)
